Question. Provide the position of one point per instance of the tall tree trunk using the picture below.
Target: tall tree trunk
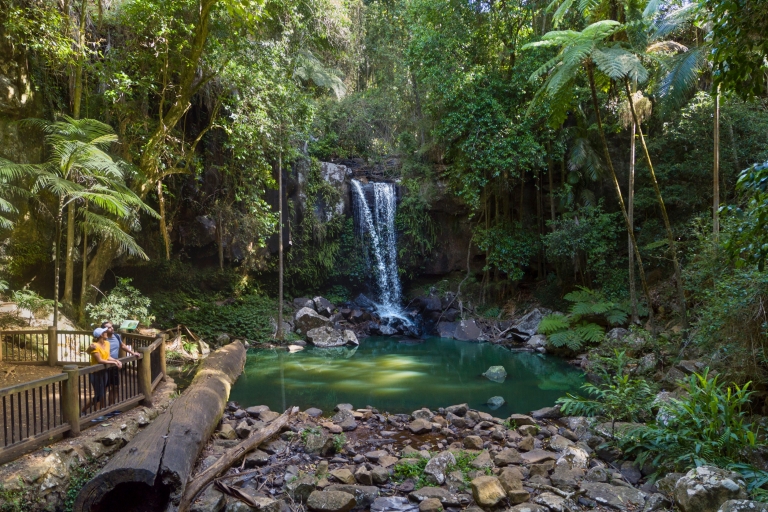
(670, 235)
(163, 223)
(280, 244)
(631, 215)
(596, 107)
(84, 279)
(550, 172)
(716, 177)
(69, 268)
(69, 264)
(57, 262)
(220, 236)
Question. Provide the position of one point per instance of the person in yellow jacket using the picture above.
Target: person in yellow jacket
(99, 351)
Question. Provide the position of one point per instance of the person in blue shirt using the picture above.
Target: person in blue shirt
(115, 344)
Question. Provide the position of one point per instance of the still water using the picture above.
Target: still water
(402, 377)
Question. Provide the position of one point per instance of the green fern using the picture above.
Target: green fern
(553, 323)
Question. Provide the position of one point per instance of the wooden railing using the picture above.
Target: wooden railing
(35, 413)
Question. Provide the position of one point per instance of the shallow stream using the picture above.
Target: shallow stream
(400, 376)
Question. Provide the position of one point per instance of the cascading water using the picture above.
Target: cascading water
(378, 220)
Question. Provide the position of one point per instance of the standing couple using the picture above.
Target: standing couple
(105, 350)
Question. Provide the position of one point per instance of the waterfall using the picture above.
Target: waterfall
(378, 220)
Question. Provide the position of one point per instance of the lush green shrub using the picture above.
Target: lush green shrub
(619, 397)
(124, 302)
(509, 248)
(32, 302)
(579, 325)
(709, 425)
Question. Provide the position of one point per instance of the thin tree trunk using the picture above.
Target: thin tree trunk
(69, 264)
(56, 262)
(551, 171)
(716, 177)
(280, 244)
(522, 195)
(84, 279)
(631, 215)
(80, 62)
(163, 224)
(670, 235)
(608, 160)
(220, 235)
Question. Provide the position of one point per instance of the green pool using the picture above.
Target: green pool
(401, 377)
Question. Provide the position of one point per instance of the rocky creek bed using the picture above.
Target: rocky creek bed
(451, 459)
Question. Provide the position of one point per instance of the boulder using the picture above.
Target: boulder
(303, 302)
(521, 419)
(364, 302)
(706, 488)
(482, 461)
(330, 501)
(574, 457)
(446, 329)
(615, 496)
(300, 488)
(394, 504)
(467, 330)
(343, 475)
(473, 443)
(323, 306)
(307, 319)
(537, 342)
(528, 325)
(420, 426)
(507, 456)
(349, 337)
(256, 458)
(325, 337)
(314, 412)
(487, 491)
(547, 413)
(743, 506)
(495, 374)
(495, 402)
(357, 316)
(437, 465)
(458, 410)
(430, 493)
(528, 507)
(552, 501)
(364, 494)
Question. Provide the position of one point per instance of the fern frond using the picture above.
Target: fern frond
(683, 74)
(617, 316)
(552, 323)
(588, 331)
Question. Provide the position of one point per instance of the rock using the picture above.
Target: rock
(346, 407)
(210, 501)
(690, 367)
(307, 319)
(387, 461)
(313, 412)
(420, 426)
(647, 363)
(537, 343)
(222, 339)
(256, 458)
(300, 488)
(379, 475)
(227, 432)
(518, 420)
(243, 429)
(495, 402)
(528, 507)
(423, 414)
(325, 337)
(393, 504)
(435, 468)
(303, 302)
(431, 505)
(507, 456)
(547, 413)
(430, 493)
(363, 476)
(495, 374)
(318, 442)
(574, 458)
(458, 410)
(536, 456)
(345, 419)
(376, 455)
(357, 317)
(743, 506)
(666, 484)
(323, 306)
(673, 376)
(552, 501)
(330, 501)
(528, 325)
(705, 488)
(364, 302)
(256, 410)
(528, 430)
(364, 495)
(630, 472)
(343, 475)
(660, 503)
(447, 329)
(511, 481)
(349, 337)
(566, 478)
(618, 497)
(559, 443)
(526, 444)
(482, 461)
(275, 446)
(487, 491)
(617, 334)
(599, 474)
(467, 330)
(473, 443)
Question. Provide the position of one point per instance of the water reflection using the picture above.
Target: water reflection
(402, 377)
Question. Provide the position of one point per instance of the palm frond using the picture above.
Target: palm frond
(619, 64)
(675, 20)
(682, 76)
(104, 227)
(309, 67)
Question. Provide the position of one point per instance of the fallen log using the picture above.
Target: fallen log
(151, 471)
(231, 456)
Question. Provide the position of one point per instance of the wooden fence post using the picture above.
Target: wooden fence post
(161, 348)
(145, 375)
(2, 342)
(70, 399)
(53, 346)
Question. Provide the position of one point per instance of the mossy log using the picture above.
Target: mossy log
(150, 473)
